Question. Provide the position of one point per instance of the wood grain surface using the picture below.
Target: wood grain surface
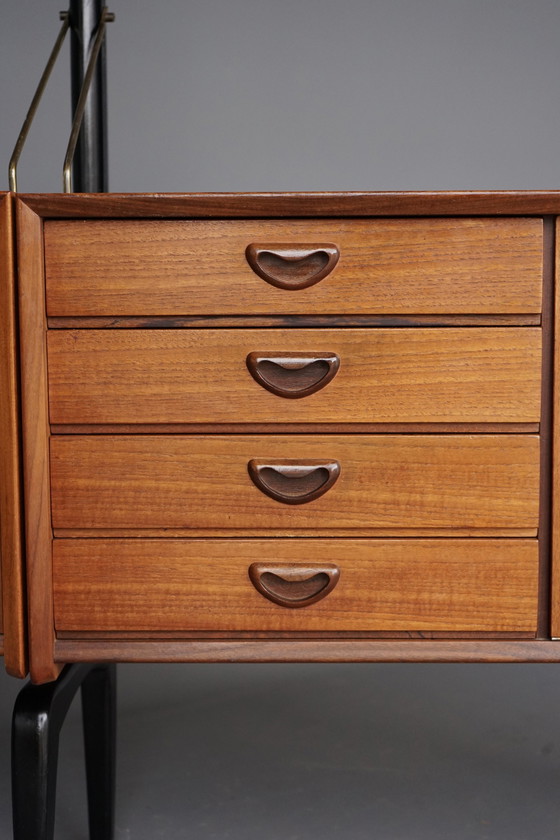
(386, 482)
(385, 375)
(12, 594)
(148, 322)
(555, 571)
(298, 204)
(308, 650)
(546, 431)
(391, 266)
(169, 273)
(469, 585)
(38, 534)
(292, 428)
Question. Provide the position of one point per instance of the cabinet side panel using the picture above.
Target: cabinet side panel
(555, 599)
(38, 534)
(12, 596)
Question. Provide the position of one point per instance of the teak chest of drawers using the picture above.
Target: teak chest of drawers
(288, 427)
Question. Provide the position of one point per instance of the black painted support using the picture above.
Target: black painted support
(99, 707)
(39, 714)
(40, 710)
(89, 169)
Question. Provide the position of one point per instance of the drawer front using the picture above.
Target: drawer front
(386, 266)
(384, 585)
(385, 482)
(384, 375)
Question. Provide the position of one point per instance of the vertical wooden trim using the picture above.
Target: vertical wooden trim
(545, 507)
(11, 543)
(555, 550)
(35, 427)
(5, 277)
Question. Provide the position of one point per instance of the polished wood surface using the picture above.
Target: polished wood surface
(12, 595)
(308, 650)
(292, 428)
(292, 267)
(386, 266)
(288, 322)
(404, 482)
(555, 582)
(295, 204)
(416, 375)
(546, 432)
(294, 585)
(38, 534)
(467, 585)
(155, 417)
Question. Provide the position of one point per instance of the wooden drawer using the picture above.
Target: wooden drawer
(405, 483)
(385, 375)
(413, 266)
(384, 585)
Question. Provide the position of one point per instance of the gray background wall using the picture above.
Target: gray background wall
(305, 95)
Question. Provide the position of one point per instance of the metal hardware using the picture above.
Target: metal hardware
(92, 163)
(18, 148)
(106, 17)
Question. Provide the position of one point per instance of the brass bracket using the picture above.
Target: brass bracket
(106, 17)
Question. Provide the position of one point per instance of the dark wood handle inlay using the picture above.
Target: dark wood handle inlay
(292, 266)
(293, 375)
(294, 585)
(292, 482)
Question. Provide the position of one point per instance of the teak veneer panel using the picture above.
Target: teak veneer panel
(555, 571)
(35, 429)
(130, 585)
(392, 266)
(386, 481)
(470, 268)
(308, 650)
(267, 205)
(12, 591)
(386, 375)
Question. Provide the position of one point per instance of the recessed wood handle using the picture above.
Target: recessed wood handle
(293, 375)
(294, 585)
(292, 482)
(292, 266)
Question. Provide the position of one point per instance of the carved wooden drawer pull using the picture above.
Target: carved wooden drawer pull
(292, 266)
(292, 482)
(293, 375)
(294, 585)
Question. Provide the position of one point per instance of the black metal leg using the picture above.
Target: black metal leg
(39, 714)
(99, 690)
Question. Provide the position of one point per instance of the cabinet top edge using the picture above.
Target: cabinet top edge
(291, 204)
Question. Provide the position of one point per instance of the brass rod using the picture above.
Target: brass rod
(106, 17)
(18, 148)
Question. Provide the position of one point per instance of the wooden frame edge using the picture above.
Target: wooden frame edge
(555, 559)
(35, 437)
(11, 523)
(334, 204)
(352, 650)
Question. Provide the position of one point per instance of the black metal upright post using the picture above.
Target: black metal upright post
(40, 711)
(90, 169)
